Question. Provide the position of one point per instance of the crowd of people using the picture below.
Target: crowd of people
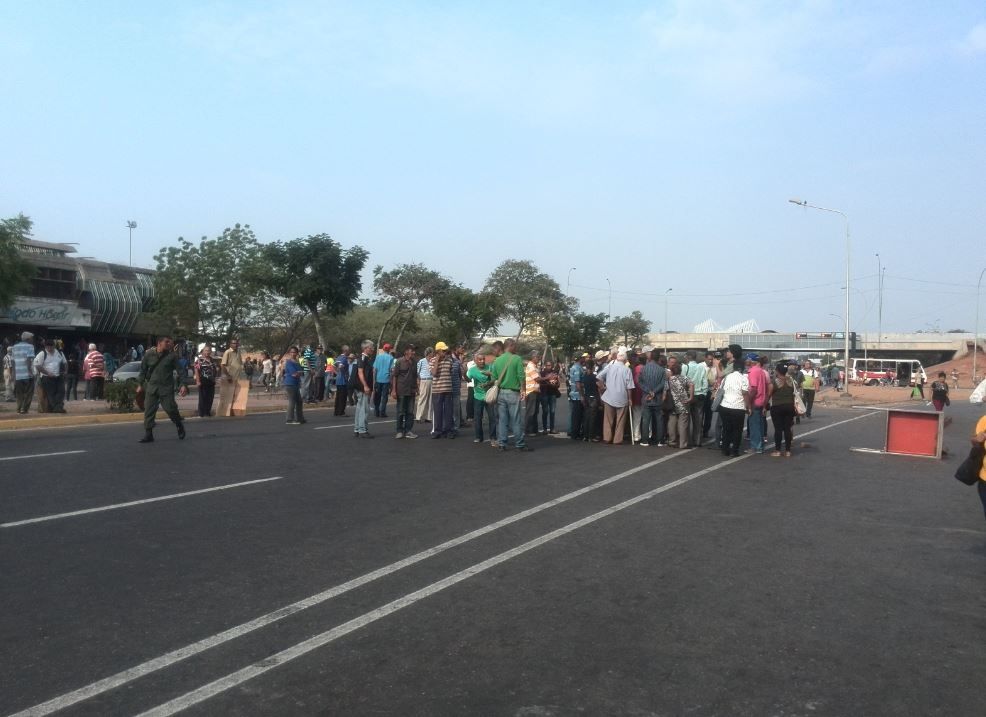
(625, 395)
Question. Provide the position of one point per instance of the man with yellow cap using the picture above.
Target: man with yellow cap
(441, 392)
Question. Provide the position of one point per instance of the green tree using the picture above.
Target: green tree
(16, 272)
(318, 275)
(464, 314)
(581, 332)
(275, 324)
(207, 291)
(628, 330)
(404, 291)
(530, 298)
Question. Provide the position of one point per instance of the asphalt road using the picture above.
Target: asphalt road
(442, 578)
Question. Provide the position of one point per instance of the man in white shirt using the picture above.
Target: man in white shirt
(615, 384)
(50, 365)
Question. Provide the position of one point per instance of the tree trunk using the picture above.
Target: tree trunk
(318, 324)
(388, 322)
(400, 333)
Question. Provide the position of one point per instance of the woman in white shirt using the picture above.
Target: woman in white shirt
(734, 408)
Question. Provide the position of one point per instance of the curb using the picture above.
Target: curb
(23, 424)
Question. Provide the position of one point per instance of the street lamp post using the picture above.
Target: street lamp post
(609, 312)
(879, 311)
(666, 321)
(131, 225)
(568, 282)
(975, 344)
(804, 203)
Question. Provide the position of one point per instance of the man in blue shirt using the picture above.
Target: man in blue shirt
(342, 379)
(382, 365)
(575, 398)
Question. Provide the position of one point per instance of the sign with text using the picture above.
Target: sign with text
(39, 312)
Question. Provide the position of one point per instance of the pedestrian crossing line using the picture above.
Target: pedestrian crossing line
(40, 455)
(130, 504)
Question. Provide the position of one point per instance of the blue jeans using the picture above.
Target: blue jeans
(479, 406)
(756, 430)
(362, 411)
(651, 423)
(380, 393)
(510, 418)
(548, 411)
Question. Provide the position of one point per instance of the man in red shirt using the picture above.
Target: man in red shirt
(758, 400)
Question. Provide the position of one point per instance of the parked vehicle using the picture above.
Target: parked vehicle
(127, 372)
(888, 372)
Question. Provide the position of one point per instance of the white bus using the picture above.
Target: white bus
(890, 372)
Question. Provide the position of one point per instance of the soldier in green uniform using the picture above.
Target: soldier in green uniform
(159, 377)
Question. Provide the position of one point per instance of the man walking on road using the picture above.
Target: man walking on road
(159, 377)
(342, 381)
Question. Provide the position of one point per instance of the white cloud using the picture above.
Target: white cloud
(741, 51)
(975, 42)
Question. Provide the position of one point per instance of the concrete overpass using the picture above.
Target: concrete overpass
(931, 347)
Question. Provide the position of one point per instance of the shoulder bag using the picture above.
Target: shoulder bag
(494, 391)
(968, 471)
(799, 402)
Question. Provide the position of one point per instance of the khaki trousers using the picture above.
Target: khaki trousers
(614, 423)
(678, 429)
(422, 411)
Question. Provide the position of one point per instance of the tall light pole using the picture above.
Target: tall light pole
(131, 225)
(975, 345)
(609, 312)
(568, 282)
(666, 321)
(879, 293)
(804, 203)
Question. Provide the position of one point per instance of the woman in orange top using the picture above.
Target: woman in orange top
(980, 438)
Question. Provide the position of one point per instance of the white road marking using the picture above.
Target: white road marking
(348, 425)
(40, 455)
(117, 506)
(158, 663)
(313, 643)
(183, 653)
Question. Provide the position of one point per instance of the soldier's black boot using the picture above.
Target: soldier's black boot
(148, 437)
(181, 430)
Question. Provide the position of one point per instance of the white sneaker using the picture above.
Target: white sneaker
(399, 435)
(410, 435)
(643, 444)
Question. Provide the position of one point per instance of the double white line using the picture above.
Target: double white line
(240, 676)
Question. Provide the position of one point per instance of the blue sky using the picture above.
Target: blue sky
(653, 143)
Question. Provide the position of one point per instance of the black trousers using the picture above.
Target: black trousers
(782, 417)
(590, 424)
(809, 394)
(470, 404)
(207, 392)
(732, 429)
(340, 408)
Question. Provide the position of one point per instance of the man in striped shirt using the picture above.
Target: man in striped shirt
(94, 372)
(24, 372)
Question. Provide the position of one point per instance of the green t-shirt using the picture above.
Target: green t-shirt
(513, 379)
(480, 377)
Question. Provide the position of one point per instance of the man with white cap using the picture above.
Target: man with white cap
(616, 383)
(24, 372)
(94, 372)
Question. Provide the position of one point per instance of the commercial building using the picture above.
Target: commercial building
(82, 300)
